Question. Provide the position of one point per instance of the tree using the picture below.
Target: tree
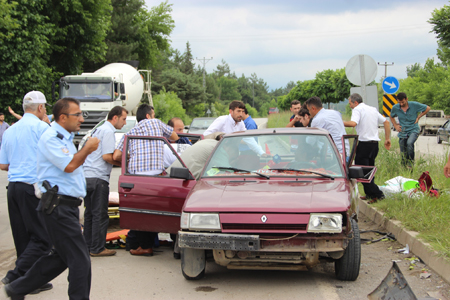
(222, 70)
(228, 88)
(168, 105)
(441, 25)
(443, 53)
(413, 69)
(7, 22)
(187, 66)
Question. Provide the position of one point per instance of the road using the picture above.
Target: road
(126, 277)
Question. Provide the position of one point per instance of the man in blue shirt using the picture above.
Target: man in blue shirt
(18, 157)
(408, 127)
(248, 121)
(59, 164)
(97, 169)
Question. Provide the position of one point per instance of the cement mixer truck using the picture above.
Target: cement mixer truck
(114, 84)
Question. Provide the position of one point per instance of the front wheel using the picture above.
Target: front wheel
(347, 267)
(193, 263)
(438, 137)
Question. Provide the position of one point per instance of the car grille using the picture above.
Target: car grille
(264, 227)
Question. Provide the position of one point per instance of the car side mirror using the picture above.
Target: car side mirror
(181, 173)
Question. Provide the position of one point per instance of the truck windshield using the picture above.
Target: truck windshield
(83, 90)
(299, 155)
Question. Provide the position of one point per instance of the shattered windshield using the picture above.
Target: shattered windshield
(275, 155)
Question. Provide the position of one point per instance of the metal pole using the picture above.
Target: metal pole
(385, 67)
(253, 93)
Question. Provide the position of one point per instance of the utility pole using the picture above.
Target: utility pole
(253, 93)
(204, 60)
(385, 67)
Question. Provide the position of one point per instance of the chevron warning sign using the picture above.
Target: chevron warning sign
(389, 101)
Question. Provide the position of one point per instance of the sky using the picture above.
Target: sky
(292, 40)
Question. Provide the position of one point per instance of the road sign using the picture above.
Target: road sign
(390, 85)
(371, 94)
(388, 102)
(361, 69)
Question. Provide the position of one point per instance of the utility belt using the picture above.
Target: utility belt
(51, 199)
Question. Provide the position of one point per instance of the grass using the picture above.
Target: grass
(429, 216)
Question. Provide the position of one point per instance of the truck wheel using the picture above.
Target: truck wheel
(193, 263)
(347, 267)
(424, 132)
(439, 141)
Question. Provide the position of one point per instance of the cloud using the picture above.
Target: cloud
(293, 40)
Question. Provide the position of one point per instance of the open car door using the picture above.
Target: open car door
(363, 174)
(153, 202)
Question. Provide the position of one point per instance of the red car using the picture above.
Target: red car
(279, 210)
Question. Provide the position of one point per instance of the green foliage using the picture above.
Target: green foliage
(441, 25)
(187, 65)
(443, 53)
(220, 109)
(7, 22)
(228, 89)
(264, 111)
(251, 111)
(168, 105)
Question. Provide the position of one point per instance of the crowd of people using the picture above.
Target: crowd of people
(49, 179)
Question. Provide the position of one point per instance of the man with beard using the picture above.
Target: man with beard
(229, 123)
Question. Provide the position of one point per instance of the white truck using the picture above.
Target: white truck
(432, 121)
(98, 92)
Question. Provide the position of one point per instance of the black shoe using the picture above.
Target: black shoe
(6, 280)
(176, 255)
(11, 295)
(45, 287)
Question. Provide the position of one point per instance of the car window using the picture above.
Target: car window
(130, 124)
(275, 155)
(201, 123)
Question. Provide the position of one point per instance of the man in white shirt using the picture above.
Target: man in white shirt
(328, 119)
(365, 119)
(229, 123)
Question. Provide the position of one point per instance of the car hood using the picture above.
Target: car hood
(290, 196)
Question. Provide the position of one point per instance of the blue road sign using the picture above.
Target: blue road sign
(390, 85)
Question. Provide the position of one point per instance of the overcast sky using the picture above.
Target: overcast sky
(286, 40)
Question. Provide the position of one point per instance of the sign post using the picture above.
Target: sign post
(390, 85)
(361, 70)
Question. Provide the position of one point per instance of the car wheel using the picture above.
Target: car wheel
(347, 267)
(193, 263)
(438, 137)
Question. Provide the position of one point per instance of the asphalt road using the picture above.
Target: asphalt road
(126, 277)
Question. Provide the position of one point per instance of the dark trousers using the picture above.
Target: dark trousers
(366, 152)
(96, 217)
(143, 239)
(29, 234)
(407, 148)
(69, 251)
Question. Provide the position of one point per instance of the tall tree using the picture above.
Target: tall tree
(187, 65)
(441, 25)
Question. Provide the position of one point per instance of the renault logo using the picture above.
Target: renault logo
(264, 218)
(85, 114)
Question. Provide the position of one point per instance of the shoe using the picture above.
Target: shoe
(176, 255)
(363, 198)
(105, 252)
(6, 280)
(11, 295)
(45, 287)
(140, 251)
(373, 200)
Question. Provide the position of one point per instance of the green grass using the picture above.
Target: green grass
(429, 216)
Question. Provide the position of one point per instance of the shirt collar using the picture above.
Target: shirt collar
(67, 135)
(30, 115)
(232, 121)
(110, 125)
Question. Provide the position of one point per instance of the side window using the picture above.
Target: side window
(447, 125)
(152, 156)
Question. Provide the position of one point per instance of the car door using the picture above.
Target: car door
(152, 203)
(369, 171)
(446, 132)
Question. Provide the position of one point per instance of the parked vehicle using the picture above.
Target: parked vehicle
(273, 110)
(432, 121)
(131, 122)
(443, 133)
(98, 92)
(279, 211)
(199, 125)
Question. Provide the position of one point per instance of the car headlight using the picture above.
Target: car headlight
(331, 223)
(200, 221)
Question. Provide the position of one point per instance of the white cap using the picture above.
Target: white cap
(34, 97)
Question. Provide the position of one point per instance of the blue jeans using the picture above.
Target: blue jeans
(407, 148)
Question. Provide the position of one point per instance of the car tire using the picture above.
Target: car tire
(438, 137)
(347, 267)
(193, 263)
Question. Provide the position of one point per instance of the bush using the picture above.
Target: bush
(168, 105)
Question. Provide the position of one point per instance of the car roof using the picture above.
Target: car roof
(293, 130)
(204, 118)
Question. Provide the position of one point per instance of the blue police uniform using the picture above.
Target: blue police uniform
(19, 152)
(55, 152)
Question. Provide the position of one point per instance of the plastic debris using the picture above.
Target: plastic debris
(425, 275)
(404, 250)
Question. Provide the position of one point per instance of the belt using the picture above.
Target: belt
(69, 201)
(368, 142)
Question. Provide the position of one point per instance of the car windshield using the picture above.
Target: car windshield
(201, 123)
(130, 124)
(299, 155)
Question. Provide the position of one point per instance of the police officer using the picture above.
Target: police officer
(18, 157)
(59, 166)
